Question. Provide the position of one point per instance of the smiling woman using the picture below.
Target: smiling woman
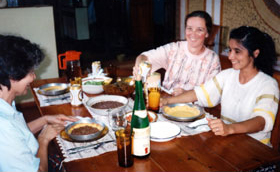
(248, 94)
(18, 59)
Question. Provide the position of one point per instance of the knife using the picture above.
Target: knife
(87, 146)
(55, 99)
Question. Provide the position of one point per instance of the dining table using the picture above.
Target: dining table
(199, 152)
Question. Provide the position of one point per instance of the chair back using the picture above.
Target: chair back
(275, 133)
(210, 40)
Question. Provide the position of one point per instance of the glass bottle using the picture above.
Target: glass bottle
(140, 126)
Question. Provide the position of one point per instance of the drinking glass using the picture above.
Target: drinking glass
(117, 119)
(123, 138)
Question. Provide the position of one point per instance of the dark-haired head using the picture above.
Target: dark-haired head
(18, 57)
(204, 15)
(253, 39)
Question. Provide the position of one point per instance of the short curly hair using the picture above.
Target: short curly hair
(252, 39)
(18, 57)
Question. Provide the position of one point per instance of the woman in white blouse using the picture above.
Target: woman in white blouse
(188, 63)
(247, 92)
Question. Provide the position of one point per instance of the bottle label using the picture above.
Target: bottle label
(141, 113)
(141, 141)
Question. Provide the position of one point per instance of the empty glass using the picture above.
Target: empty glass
(117, 120)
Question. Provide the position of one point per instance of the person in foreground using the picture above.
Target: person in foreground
(20, 151)
(187, 63)
(247, 92)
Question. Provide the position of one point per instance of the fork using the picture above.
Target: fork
(194, 127)
(55, 99)
(83, 148)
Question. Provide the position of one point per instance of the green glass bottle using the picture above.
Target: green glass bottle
(140, 126)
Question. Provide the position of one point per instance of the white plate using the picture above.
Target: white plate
(164, 131)
(152, 116)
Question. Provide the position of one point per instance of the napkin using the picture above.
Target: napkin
(55, 100)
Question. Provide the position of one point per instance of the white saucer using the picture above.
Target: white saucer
(164, 131)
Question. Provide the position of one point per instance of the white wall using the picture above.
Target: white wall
(37, 25)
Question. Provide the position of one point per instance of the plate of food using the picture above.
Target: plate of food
(85, 129)
(151, 115)
(164, 131)
(182, 111)
(53, 89)
(102, 104)
(94, 85)
(119, 88)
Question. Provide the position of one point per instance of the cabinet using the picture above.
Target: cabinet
(75, 23)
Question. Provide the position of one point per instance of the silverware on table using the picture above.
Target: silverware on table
(87, 147)
(194, 127)
(55, 99)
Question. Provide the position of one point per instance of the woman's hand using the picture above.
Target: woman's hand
(49, 132)
(59, 119)
(163, 101)
(218, 127)
(177, 91)
(135, 71)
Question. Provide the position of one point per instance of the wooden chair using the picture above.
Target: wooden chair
(275, 134)
(210, 41)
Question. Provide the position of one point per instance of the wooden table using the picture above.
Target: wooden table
(201, 152)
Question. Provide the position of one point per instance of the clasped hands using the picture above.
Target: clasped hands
(53, 125)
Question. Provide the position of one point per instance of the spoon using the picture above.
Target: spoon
(194, 127)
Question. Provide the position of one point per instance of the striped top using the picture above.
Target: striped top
(183, 69)
(240, 102)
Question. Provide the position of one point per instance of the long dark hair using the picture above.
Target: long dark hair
(201, 14)
(18, 57)
(252, 39)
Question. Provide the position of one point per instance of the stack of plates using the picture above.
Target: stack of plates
(164, 131)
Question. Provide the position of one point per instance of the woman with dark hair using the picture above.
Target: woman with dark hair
(187, 63)
(248, 94)
(20, 151)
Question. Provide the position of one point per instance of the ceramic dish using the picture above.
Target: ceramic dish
(85, 122)
(129, 80)
(164, 131)
(95, 85)
(188, 116)
(119, 88)
(151, 115)
(53, 89)
(103, 98)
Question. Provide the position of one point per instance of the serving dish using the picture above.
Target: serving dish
(119, 88)
(188, 115)
(92, 85)
(151, 115)
(164, 131)
(53, 89)
(103, 98)
(85, 122)
(128, 80)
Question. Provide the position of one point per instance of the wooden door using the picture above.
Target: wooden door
(141, 22)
